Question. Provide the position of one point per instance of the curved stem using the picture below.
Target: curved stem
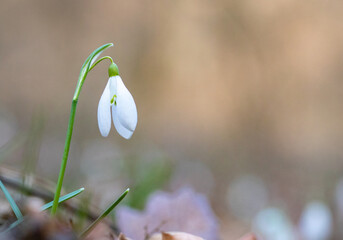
(86, 68)
(103, 58)
(82, 77)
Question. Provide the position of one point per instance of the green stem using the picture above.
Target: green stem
(65, 156)
(82, 77)
(103, 58)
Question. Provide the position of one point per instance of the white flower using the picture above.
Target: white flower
(124, 111)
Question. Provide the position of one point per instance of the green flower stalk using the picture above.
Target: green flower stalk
(124, 115)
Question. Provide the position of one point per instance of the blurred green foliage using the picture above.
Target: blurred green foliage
(147, 177)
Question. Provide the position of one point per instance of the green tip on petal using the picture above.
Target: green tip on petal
(113, 70)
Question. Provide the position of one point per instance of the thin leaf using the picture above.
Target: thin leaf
(14, 206)
(16, 223)
(63, 198)
(104, 214)
(48, 205)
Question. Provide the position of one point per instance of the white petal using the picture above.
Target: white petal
(126, 107)
(123, 131)
(113, 86)
(104, 111)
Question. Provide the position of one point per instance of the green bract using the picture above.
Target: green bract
(86, 67)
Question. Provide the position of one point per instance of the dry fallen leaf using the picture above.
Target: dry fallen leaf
(174, 236)
(248, 237)
(122, 237)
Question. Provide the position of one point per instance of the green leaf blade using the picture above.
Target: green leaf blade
(9, 198)
(63, 198)
(104, 214)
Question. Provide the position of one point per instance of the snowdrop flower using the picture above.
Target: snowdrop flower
(117, 98)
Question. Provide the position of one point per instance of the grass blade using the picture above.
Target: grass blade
(104, 214)
(9, 198)
(63, 198)
(48, 205)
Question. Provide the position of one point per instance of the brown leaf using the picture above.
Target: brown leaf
(123, 237)
(248, 237)
(174, 236)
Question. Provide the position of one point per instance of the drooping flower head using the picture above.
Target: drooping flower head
(117, 98)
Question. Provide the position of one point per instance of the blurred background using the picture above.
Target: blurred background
(239, 99)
